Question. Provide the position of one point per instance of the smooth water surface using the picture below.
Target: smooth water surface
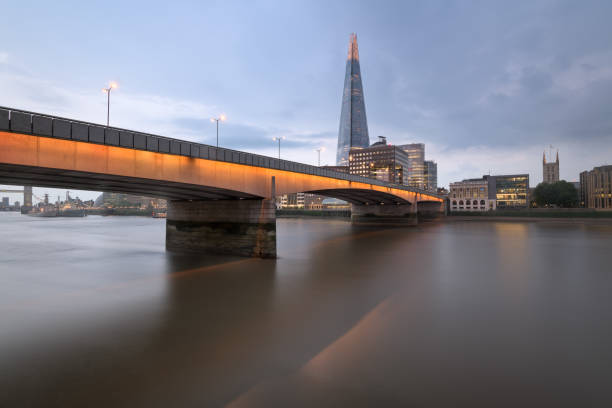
(94, 312)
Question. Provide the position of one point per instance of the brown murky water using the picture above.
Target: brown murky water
(94, 312)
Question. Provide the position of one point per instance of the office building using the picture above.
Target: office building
(415, 173)
(471, 195)
(293, 200)
(596, 187)
(490, 193)
(511, 191)
(550, 170)
(380, 161)
(353, 130)
(431, 175)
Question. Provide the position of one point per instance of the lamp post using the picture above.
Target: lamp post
(319, 150)
(221, 118)
(278, 139)
(108, 90)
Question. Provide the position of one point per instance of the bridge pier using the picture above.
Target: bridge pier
(430, 210)
(234, 227)
(384, 214)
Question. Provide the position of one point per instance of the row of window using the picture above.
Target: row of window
(475, 202)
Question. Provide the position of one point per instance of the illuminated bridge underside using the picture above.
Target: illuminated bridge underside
(47, 162)
(214, 205)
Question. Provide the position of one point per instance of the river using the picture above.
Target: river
(94, 312)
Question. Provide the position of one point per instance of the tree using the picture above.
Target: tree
(560, 194)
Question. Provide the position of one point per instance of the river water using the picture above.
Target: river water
(94, 312)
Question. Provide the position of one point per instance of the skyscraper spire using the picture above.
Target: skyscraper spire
(353, 130)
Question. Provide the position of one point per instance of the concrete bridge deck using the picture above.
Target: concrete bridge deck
(50, 151)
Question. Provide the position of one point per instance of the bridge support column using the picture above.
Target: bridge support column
(430, 210)
(234, 227)
(384, 214)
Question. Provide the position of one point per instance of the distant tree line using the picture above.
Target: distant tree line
(560, 194)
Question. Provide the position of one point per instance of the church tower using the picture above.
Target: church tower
(550, 171)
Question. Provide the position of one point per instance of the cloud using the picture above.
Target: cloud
(3, 57)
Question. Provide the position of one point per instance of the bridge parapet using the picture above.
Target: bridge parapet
(20, 121)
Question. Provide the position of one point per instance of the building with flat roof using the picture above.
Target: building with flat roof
(490, 193)
(431, 175)
(416, 164)
(511, 191)
(380, 161)
(596, 187)
(471, 195)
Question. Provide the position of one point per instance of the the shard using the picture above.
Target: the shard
(353, 124)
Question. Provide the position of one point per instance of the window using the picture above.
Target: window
(482, 202)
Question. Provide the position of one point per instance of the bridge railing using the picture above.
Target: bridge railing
(21, 121)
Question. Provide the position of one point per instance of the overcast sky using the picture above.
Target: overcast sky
(487, 86)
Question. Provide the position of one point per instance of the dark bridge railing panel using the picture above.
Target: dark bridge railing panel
(21, 121)
(4, 119)
(42, 126)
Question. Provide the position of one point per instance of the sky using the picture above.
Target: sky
(486, 85)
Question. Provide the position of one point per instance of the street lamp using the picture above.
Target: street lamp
(221, 118)
(278, 139)
(319, 150)
(112, 85)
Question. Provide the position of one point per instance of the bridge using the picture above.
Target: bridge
(219, 200)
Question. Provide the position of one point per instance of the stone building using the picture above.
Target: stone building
(596, 187)
(490, 193)
(550, 170)
(471, 195)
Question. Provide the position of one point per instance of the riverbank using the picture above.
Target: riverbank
(313, 213)
(557, 220)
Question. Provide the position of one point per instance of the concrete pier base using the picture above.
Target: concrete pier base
(384, 214)
(431, 210)
(234, 227)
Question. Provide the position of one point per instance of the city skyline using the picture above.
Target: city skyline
(539, 84)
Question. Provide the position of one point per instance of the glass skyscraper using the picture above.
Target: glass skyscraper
(431, 175)
(416, 164)
(353, 124)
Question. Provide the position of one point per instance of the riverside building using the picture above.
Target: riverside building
(490, 193)
(431, 175)
(416, 164)
(596, 187)
(380, 161)
(471, 195)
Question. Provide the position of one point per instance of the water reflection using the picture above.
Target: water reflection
(442, 314)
